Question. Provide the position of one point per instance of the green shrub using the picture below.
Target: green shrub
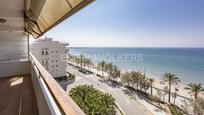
(175, 110)
(154, 98)
(71, 76)
(93, 101)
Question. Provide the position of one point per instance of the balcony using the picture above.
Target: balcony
(17, 96)
(27, 88)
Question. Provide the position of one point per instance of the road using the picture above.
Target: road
(128, 105)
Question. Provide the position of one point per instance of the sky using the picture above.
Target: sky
(135, 23)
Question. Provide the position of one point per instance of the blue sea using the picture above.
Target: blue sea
(186, 63)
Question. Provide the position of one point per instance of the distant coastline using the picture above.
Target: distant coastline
(143, 47)
(186, 63)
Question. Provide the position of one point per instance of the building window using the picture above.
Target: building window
(56, 65)
(46, 52)
(46, 67)
(52, 66)
(56, 60)
(42, 52)
(52, 61)
(42, 62)
(56, 51)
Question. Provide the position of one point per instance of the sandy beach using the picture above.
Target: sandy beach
(182, 94)
(158, 83)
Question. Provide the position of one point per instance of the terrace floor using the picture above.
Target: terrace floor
(17, 96)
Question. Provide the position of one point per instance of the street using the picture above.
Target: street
(128, 105)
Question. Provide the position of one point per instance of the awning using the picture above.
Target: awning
(42, 15)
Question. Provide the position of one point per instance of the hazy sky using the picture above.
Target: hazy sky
(135, 23)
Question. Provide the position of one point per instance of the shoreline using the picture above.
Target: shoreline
(158, 79)
(181, 99)
(156, 84)
(186, 64)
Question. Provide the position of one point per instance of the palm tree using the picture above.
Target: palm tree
(74, 59)
(70, 57)
(194, 88)
(146, 84)
(85, 62)
(138, 78)
(126, 78)
(175, 96)
(141, 83)
(77, 59)
(109, 68)
(151, 80)
(134, 78)
(101, 66)
(81, 60)
(89, 62)
(171, 79)
(115, 72)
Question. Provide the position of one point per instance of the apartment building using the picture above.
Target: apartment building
(50, 54)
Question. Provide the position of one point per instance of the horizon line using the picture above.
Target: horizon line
(125, 47)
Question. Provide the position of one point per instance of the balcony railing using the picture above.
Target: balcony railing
(58, 102)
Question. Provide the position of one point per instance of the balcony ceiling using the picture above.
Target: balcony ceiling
(35, 16)
(12, 12)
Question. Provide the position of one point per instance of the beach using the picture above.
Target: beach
(182, 97)
(158, 83)
(186, 63)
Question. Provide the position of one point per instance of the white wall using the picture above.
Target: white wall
(12, 68)
(13, 46)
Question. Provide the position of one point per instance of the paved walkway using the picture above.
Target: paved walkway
(128, 105)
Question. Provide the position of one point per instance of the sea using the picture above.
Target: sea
(186, 63)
